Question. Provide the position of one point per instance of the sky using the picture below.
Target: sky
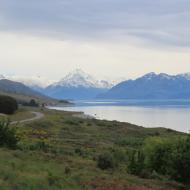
(106, 38)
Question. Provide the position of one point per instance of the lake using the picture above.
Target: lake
(173, 114)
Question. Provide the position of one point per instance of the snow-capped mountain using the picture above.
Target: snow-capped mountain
(153, 75)
(80, 85)
(79, 78)
(152, 86)
(77, 85)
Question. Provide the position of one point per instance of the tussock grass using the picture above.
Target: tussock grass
(61, 152)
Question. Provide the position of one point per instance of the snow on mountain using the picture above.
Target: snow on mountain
(152, 75)
(79, 78)
(2, 77)
(76, 78)
(148, 76)
(166, 76)
(105, 84)
(184, 75)
(32, 82)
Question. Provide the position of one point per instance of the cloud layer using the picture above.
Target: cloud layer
(116, 38)
(163, 22)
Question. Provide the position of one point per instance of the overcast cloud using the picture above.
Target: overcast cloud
(86, 26)
(162, 21)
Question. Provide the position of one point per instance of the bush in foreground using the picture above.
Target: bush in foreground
(169, 157)
(8, 105)
(8, 137)
(112, 158)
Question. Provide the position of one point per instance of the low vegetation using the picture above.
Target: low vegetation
(65, 152)
(31, 103)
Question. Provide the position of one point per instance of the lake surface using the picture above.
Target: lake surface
(174, 114)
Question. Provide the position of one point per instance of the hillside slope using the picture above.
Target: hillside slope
(21, 92)
(62, 152)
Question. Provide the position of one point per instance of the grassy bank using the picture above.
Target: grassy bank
(63, 152)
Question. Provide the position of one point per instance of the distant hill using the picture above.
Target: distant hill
(152, 86)
(16, 87)
(77, 85)
(36, 83)
(21, 92)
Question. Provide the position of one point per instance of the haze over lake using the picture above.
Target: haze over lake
(174, 114)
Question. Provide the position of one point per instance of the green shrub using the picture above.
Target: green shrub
(169, 157)
(106, 161)
(181, 161)
(158, 152)
(40, 145)
(120, 155)
(79, 151)
(8, 105)
(136, 162)
(32, 103)
(8, 137)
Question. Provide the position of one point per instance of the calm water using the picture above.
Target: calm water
(160, 113)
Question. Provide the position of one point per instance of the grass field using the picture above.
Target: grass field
(61, 151)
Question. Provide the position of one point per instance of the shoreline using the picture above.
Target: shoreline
(83, 115)
(78, 114)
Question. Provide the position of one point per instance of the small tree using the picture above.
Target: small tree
(8, 137)
(33, 103)
(8, 105)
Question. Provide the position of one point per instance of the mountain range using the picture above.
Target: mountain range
(151, 86)
(80, 85)
(75, 85)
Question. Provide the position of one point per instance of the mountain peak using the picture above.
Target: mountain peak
(152, 75)
(149, 75)
(78, 85)
(79, 78)
(78, 72)
(166, 76)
